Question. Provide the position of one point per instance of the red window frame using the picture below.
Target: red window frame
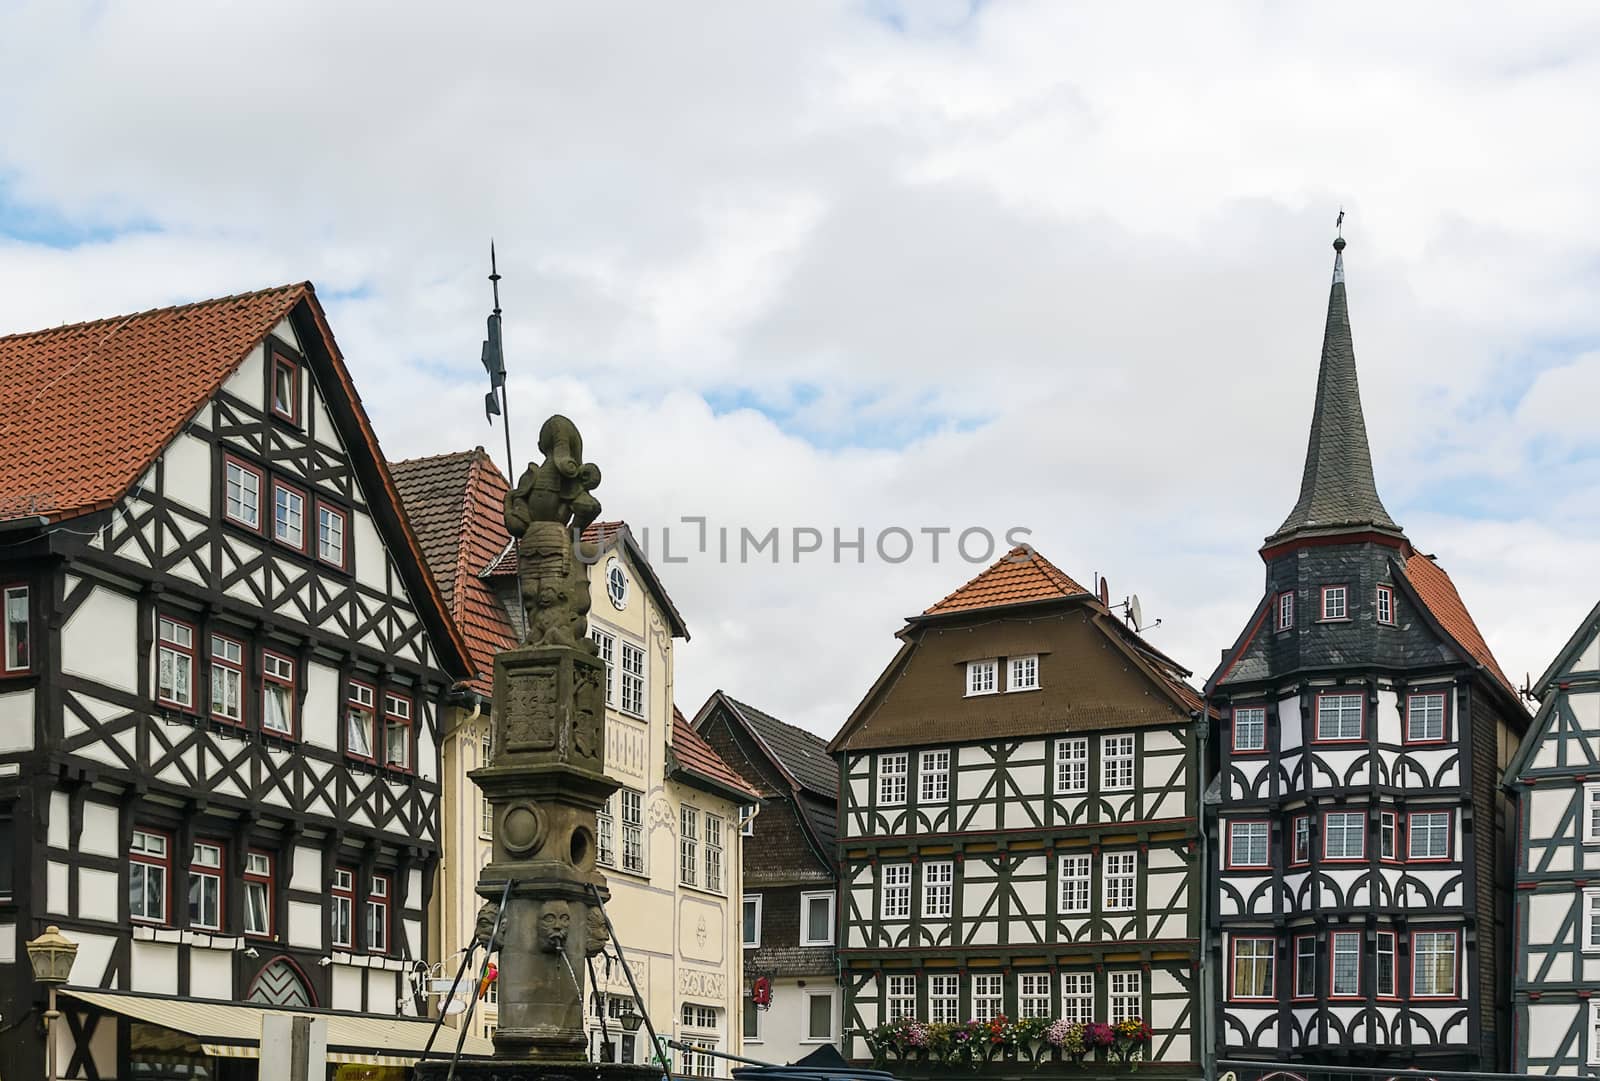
(1391, 821)
(1444, 712)
(1394, 966)
(263, 878)
(1294, 828)
(338, 893)
(1385, 593)
(1454, 931)
(392, 700)
(1326, 833)
(191, 652)
(232, 666)
(1235, 866)
(272, 679)
(344, 533)
(1316, 717)
(351, 701)
(165, 863)
(380, 901)
(1449, 837)
(280, 362)
(262, 488)
(1234, 730)
(1294, 992)
(1233, 968)
(220, 874)
(307, 516)
(1333, 942)
(1283, 616)
(1322, 608)
(6, 667)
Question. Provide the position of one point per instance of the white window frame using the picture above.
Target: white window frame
(896, 893)
(1385, 605)
(397, 722)
(1251, 720)
(274, 681)
(1077, 996)
(1075, 885)
(289, 516)
(806, 901)
(1328, 831)
(633, 667)
(1033, 995)
(711, 850)
(605, 833)
(377, 909)
(18, 656)
(1072, 766)
(1340, 715)
(899, 997)
(1117, 772)
(983, 677)
(1428, 715)
(1594, 1032)
(938, 889)
(1334, 952)
(749, 901)
(1335, 611)
(1242, 850)
(811, 1036)
(1591, 920)
(1432, 830)
(233, 474)
(1125, 997)
(633, 850)
(1022, 674)
(892, 770)
(206, 870)
(606, 643)
(1119, 879)
(343, 895)
(933, 776)
(944, 999)
(1393, 954)
(1417, 968)
(176, 651)
(227, 678)
(689, 845)
(326, 517)
(1262, 967)
(360, 713)
(1285, 615)
(988, 995)
(1300, 839)
(258, 881)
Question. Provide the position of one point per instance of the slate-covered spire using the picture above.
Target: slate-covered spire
(1337, 492)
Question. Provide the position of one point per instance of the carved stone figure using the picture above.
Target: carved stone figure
(486, 920)
(596, 935)
(555, 921)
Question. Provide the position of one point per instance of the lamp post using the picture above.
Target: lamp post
(51, 955)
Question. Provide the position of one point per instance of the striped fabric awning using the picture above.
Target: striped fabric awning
(233, 1030)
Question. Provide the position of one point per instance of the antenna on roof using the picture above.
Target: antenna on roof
(1103, 590)
(494, 362)
(1133, 614)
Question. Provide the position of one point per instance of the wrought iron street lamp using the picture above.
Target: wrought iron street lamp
(51, 955)
(630, 1019)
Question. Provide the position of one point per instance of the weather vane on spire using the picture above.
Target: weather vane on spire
(1338, 225)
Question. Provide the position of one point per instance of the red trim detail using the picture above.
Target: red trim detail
(305, 516)
(373, 728)
(1244, 646)
(1316, 718)
(220, 874)
(267, 880)
(391, 699)
(1444, 729)
(1362, 858)
(1233, 968)
(268, 678)
(1294, 992)
(1393, 820)
(244, 681)
(373, 901)
(1266, 864)
(280, 362)
(1322, 607)
(344, 533)
(1333, 940)
(1385, 591)
(1234, 731)
(165, 863)
(191, 652)
(1449, 838)
(1363, 537)
(345, 893)
(1456, 992)
(26, 667)
(1293, 829)
(1394, 966)
(261, 491)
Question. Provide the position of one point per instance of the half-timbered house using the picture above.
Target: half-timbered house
(1555, 779)
(1358, 903)
(1017, 819)
(224, 657)
(790, 924)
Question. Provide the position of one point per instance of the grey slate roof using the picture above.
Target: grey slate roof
(1337, 490)
(804, 755)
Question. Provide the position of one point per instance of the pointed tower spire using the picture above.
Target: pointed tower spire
(1337, 491)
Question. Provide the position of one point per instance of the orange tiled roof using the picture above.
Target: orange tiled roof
(455, 504)
(1020, 575)
(1433, 585)
(695, 754)
(85, 409)
(505, 561)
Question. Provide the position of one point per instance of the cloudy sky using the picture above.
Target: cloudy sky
(867, 266)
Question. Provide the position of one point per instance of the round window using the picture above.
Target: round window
(617, 584)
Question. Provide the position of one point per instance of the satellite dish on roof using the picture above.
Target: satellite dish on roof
(1135, 612)
(1105, 593)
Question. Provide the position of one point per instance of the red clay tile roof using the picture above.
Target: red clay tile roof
(454, 502)
(85, 409)
(504, 563)
(1433, 585)
(694, 754)
(1021, 575)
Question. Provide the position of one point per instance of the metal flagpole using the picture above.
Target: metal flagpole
(496, 401)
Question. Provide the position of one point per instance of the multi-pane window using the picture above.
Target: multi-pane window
(1250, 728)
(981, 677)
(1247, 844)
(285, 402)
(944, 999)
(1121, 881)
(242, 494)
(1594, 1033)
(1285, 611)
(175, 663)
(1127, 996)
(1033, 994)
(1024, 674)
(288, 516)
(688, 846)
(632, 680)
(277, 693)
(702, 1023)
(18, 630)
(485, 817)
(816, 919)
(1339, 716)
(1424, 717)
(1388, 835)
(342, 895)
(1072, 766)
(892, 779)
(1346, 963)
(227, 679)
(933, 776)
(1116, 763)
(397, 731)
(257, 894)
(1591, 813)
(632, 830)
(378, 914)
(1385, 967)
(1344, 835)
(1428, 836)
(1075, 879)
(605, 833)
(205, 886)
(896, 891)
(149, 868)
(330, 535)
(1305, 966)
(1433, 970)
(1591, 920)
(900, 997)
(1302, 839)
(1385, 604)
(713, 853)
(360, 713)
(938, 886)
(988, 996)
(607, 645)
(1077, 997)
(1333, 603)
(747, 821)
(1252, 967)
(751, 923)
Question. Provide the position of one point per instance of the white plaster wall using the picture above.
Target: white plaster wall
(101, 829)
(211, 973)
(346, 988)
(783, 1027)
(319, 720)
(56, 888)
(155, 968)
(383, 991)
(307, 870)
(8, 943)
(100, 640)
(60, 826)
(187, 473)
(305, 925)
(16, 721)
(371, 560)
(98, 892)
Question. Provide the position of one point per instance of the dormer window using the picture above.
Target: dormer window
(981, 677)
(285, 388)
(1024, 674)
(1335, 603)
(1285, 611)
